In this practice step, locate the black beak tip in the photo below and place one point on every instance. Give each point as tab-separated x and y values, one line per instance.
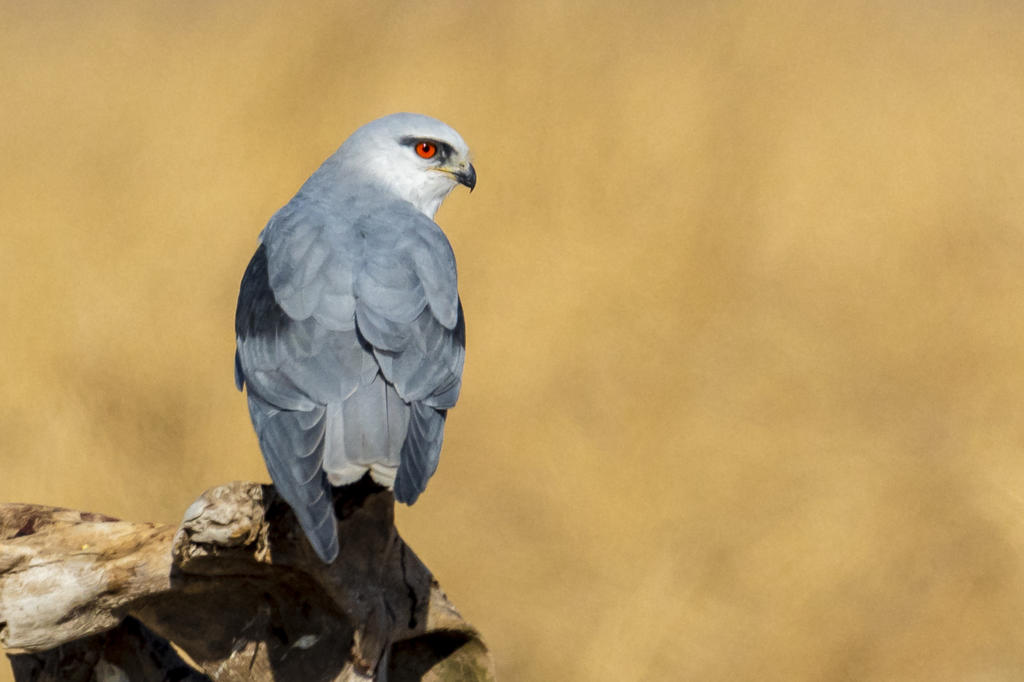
468	177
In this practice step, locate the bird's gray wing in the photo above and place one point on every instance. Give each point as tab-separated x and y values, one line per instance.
293	369
292	442
312	254
408	309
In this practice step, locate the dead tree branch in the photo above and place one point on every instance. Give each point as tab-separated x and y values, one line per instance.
235	593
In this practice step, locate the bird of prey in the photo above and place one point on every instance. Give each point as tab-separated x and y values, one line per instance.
349	328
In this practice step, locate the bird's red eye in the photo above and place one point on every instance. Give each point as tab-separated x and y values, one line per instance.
426	149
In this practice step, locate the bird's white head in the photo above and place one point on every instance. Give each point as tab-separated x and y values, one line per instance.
412	156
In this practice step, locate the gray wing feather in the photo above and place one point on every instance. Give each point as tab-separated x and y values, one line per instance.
407	307
292	445
429	366
286	366
310	268
420	452
293	364
435	265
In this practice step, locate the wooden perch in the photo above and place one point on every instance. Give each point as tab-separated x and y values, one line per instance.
235	593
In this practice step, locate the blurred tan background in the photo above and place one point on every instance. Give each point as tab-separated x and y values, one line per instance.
744	285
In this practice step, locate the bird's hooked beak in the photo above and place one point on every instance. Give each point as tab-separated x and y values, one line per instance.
466	176
462	171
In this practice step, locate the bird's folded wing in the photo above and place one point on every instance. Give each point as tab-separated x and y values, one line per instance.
407	307
293	448
293	364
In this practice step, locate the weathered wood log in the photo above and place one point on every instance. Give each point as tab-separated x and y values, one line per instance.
235	593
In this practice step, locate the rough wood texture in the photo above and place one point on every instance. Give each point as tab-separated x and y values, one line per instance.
236	588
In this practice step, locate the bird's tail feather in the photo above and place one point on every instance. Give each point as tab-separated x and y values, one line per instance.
364	433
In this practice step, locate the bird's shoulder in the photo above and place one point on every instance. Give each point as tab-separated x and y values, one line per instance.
319	251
